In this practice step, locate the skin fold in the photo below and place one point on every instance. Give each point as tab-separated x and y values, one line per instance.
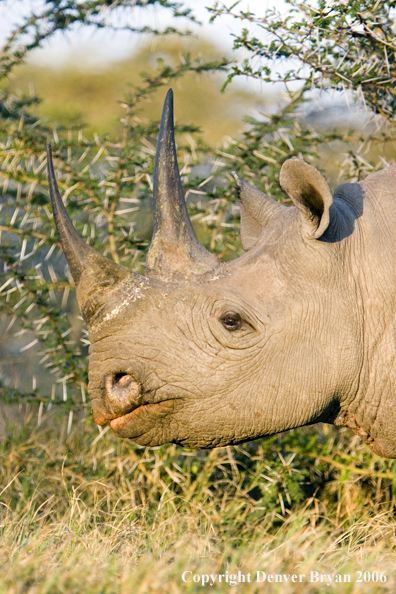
299	329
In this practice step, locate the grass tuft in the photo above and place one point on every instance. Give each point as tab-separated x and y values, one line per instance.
82	514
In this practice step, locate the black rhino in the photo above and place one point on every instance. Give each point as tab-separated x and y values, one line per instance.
299	329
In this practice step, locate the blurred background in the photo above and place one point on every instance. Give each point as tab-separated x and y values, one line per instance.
80	75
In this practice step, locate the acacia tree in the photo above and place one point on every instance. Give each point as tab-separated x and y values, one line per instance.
337	46
346	48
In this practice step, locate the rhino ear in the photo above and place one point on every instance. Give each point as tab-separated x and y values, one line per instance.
257	209
311	194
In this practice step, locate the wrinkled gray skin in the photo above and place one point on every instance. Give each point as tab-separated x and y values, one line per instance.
299	329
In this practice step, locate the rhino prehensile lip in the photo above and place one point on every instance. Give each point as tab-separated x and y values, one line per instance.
144	400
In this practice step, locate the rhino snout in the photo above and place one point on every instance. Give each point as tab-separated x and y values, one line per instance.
122	393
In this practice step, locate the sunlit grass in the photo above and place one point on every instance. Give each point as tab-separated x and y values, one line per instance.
90	513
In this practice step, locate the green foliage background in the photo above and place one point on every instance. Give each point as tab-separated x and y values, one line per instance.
330	52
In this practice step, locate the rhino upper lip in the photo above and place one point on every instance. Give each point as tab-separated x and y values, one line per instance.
141	401
110	416
148	397
133	410
126	421
144	399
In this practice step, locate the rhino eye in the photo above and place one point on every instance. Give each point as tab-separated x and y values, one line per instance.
231	321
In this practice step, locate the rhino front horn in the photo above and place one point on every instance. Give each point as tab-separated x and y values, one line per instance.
95	276
175	252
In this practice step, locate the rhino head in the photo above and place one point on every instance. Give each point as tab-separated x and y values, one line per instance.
299	329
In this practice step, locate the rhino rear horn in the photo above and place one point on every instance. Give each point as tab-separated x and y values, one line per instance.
257	209
95	276
175	252
311	194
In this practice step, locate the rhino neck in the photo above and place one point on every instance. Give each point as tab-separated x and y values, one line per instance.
371	414
360	371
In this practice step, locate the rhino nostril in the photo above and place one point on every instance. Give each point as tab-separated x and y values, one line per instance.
123	393
122	380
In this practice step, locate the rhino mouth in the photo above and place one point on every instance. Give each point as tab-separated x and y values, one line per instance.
128	407
120	423
143	420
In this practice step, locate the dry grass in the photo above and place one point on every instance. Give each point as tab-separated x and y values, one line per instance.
82	514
